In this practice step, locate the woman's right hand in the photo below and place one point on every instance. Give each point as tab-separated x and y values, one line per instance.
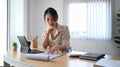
50	30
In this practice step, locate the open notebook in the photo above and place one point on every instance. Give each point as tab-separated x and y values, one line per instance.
43	56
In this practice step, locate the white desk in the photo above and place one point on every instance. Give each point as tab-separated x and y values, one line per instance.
18	59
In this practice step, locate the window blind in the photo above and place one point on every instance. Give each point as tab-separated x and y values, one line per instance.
89	19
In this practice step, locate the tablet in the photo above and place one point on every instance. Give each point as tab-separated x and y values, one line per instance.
25	46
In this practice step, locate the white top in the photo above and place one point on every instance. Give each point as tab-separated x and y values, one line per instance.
61	37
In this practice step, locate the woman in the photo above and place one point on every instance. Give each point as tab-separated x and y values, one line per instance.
56	36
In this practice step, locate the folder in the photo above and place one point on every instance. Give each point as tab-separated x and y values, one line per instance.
92	56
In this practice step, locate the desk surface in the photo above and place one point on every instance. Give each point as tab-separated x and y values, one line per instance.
18	59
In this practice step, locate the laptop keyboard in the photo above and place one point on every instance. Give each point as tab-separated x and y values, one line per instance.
36	51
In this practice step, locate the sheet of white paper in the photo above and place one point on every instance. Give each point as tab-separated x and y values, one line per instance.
43	56
75	53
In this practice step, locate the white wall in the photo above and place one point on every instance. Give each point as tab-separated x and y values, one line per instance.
107	47
36	25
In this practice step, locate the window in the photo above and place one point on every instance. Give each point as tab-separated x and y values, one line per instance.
3	29
89	19
16	20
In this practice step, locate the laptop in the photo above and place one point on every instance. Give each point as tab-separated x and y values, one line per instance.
25	46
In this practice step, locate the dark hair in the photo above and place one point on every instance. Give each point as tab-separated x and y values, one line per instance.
51	11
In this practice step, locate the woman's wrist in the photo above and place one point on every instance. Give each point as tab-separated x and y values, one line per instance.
63	48
47	35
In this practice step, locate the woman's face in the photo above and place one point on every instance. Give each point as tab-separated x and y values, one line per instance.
50	21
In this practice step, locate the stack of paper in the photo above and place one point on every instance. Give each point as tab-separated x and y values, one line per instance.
107	63
43	56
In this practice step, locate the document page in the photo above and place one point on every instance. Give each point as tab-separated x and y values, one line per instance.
43	56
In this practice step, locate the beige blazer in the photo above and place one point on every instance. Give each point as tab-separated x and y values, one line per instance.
61	37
